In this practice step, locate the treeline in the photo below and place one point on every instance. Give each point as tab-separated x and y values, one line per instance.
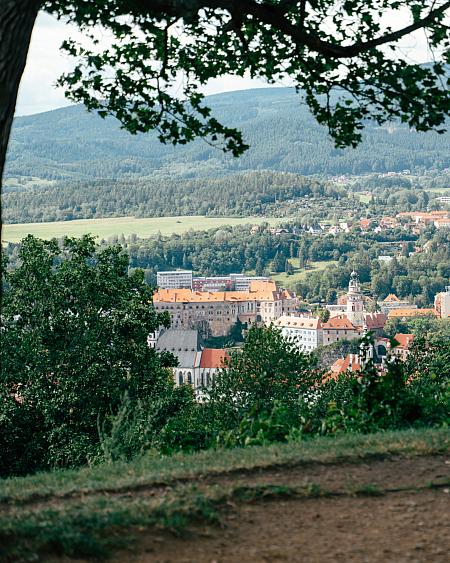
417	277
70	143
250	193
238	249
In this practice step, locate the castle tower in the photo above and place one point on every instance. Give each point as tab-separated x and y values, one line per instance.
355	302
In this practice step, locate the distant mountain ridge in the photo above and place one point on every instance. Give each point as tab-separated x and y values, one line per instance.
70	143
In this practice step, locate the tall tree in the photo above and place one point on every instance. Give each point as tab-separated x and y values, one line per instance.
334	51
74	330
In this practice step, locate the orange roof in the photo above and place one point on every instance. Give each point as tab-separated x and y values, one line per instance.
391	297
214	358
423	214
339	323
364	223
259	291
411	313
404	340
352	362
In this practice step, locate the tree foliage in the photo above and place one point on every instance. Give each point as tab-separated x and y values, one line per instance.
74	329
333	51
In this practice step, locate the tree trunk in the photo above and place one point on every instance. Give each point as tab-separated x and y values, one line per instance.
17	19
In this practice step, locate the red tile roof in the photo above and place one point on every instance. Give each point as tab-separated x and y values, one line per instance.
375	320
404	340
339	323
214	358
352	362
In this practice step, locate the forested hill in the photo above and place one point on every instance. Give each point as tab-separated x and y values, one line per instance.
70	143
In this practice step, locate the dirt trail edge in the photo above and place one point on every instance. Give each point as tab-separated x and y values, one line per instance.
392	510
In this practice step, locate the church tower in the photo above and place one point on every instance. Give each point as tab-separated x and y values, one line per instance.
355	302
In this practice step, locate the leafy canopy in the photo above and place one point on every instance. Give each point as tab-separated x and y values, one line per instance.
343	54
74	329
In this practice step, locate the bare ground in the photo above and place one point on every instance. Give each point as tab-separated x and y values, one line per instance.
389	511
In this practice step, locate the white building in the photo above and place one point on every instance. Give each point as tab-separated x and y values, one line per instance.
442	303
177	279
306	332
197	366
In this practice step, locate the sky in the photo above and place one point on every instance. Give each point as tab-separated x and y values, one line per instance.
46	63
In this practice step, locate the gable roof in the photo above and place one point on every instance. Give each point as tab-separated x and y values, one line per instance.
351	362
339	323
214	358
183	344
391	298
403	339
260	290
375	320
410	313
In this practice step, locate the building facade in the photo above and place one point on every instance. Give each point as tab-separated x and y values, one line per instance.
177	279
215	313
197	366
442	303
304	331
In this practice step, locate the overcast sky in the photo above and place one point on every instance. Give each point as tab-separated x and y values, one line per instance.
46	63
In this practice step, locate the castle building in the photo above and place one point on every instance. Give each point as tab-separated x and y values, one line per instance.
215	313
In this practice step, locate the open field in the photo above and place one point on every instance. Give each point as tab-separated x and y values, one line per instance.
324	499
363	197
298	274
104	228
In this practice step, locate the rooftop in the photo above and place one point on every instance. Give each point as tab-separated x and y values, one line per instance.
214	358
298	322
260	290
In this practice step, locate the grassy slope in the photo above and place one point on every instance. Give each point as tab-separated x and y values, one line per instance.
298	274
88	510
150	470
126	226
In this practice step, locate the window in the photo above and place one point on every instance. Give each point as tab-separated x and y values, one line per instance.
180	378
189	378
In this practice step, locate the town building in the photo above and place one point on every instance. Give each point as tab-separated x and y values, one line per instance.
197	366
355	301
426	218
232	282
404	341
177	279
351	363
339	328
349	318
442	303
304	331
215	313
442	223
410	313
392	302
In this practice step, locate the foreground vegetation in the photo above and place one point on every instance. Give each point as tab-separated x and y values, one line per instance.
80	384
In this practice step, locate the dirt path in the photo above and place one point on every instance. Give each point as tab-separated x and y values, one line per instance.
379	511
396	528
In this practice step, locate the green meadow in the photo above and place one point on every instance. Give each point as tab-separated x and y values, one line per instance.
300	274
104	228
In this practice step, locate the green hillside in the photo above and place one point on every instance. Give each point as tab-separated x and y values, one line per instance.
70	143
